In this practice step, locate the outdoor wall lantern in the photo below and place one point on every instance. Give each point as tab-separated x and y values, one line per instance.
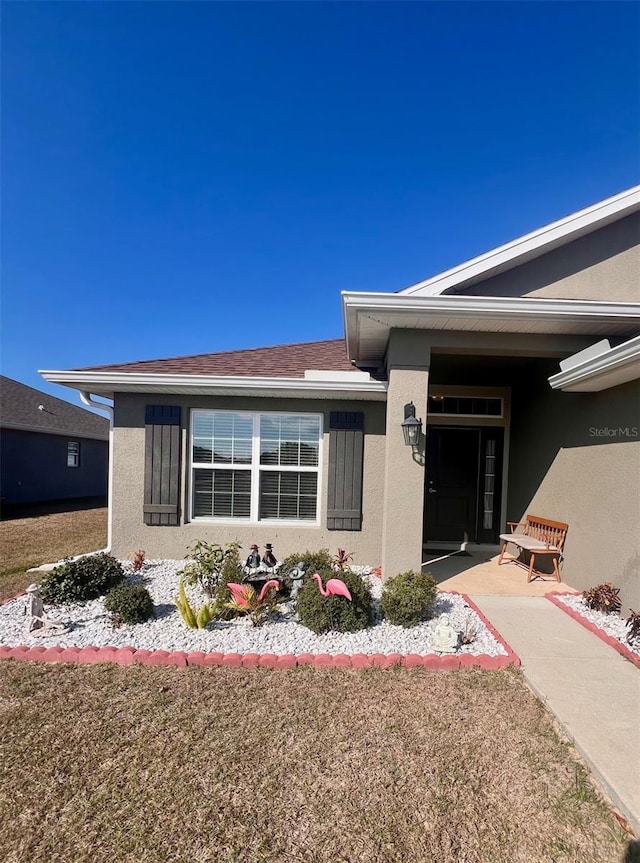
411	427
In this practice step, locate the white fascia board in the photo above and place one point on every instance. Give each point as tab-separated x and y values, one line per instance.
531	245
612	368
97	382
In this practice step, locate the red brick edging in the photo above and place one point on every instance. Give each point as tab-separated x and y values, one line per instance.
602	635
182	659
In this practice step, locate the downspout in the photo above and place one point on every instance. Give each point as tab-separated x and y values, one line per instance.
87	399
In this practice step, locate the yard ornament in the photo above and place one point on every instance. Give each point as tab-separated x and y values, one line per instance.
444	638
241	592
38	623
335	587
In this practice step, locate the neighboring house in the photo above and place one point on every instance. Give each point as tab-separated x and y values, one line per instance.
302	445
49	449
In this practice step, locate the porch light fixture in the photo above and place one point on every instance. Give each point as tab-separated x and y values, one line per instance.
411	427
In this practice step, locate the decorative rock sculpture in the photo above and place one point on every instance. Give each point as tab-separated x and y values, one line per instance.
297	577
38	623
444	638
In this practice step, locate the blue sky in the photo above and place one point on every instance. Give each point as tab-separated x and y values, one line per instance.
190	177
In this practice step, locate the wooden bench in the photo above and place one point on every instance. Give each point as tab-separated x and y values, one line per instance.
537	536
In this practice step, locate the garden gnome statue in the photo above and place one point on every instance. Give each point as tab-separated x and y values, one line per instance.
269	560
38	624
297	577
444	638
253	561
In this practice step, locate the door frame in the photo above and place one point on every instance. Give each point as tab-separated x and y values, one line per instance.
477	422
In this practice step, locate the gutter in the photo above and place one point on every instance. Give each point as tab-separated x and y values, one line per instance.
86	398
594	373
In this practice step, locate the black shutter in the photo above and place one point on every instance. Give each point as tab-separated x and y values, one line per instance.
162	465
346	449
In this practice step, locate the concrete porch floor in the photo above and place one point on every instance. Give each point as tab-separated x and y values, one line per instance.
477	572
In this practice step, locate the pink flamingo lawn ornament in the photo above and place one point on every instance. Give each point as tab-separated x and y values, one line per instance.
335	587
242	592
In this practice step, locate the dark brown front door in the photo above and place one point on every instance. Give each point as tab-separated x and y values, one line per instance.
463	482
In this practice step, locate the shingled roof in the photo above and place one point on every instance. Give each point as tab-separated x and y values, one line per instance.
289	361
26	408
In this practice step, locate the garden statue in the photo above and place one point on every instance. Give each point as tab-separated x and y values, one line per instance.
269	560
444	638
38	623
253	561
297	577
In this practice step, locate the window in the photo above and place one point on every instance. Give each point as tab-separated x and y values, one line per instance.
73	454
255	466
466	406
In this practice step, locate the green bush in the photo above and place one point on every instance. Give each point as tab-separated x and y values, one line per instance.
316	561
82	579
334	613
130	603
407	599
231	571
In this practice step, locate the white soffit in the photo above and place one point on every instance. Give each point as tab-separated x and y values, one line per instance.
369	317
107	383
530	246
616	366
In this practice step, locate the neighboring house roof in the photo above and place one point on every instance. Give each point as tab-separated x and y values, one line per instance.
530	246
289	361
27	409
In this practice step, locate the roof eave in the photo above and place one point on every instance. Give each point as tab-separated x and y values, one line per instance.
530	245
616	366
109	383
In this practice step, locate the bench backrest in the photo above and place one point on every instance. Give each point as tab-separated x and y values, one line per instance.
546	530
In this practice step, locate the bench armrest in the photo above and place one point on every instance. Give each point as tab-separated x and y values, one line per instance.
514	524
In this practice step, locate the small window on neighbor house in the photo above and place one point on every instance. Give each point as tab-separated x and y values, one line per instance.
73	454
454	406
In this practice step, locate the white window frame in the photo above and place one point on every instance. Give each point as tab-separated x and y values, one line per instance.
255	468
73	457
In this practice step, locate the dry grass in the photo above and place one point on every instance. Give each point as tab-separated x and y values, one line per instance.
158	765
46	538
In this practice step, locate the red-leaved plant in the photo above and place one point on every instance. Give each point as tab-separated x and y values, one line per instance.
633	622
137	559
603	597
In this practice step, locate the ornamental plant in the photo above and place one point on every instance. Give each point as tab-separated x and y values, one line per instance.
341	560
129	603
633	623
603	597
231	571
407	598
334	613
206	563
195	618
258	606
137	559
82	579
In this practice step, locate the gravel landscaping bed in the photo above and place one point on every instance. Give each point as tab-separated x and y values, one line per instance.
92	626
608	624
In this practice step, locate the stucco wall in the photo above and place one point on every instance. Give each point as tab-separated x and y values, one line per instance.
130	532
34	467
575	457
604	265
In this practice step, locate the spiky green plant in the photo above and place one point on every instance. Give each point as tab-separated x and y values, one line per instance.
194	618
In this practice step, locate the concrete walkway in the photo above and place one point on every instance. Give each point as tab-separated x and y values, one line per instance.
592	690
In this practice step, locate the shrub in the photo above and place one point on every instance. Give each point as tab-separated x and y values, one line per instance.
407	599
130	603
316	561
206	563
603	597
334	613
82	579
231	571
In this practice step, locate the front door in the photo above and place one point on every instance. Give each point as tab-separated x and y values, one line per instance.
463	484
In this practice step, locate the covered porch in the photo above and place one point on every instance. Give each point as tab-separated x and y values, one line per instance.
476	571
